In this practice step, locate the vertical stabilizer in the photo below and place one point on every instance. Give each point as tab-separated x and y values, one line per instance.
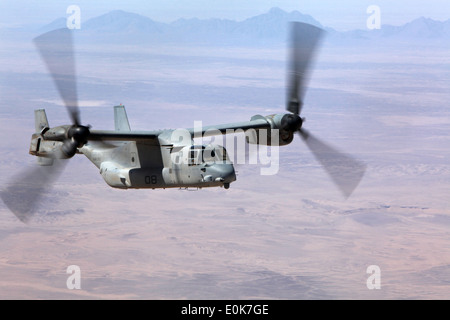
40	120
120	119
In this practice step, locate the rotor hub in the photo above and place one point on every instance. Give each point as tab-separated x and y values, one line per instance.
76	138
291	122
79	134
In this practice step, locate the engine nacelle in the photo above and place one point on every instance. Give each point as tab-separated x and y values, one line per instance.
59	133
60	142
45	148
281	132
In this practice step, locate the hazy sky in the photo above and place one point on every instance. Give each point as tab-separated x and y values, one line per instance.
341	15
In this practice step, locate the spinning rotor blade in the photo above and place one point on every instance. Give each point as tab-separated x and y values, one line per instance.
22	195
345	171
304	40
56	50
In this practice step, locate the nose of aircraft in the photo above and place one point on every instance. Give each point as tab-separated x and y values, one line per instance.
223	172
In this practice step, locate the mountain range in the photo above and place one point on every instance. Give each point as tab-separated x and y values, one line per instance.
421	28
270	27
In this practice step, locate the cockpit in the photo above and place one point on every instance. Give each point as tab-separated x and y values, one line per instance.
209	154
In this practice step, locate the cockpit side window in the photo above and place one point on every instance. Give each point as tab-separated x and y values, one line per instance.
208	154
221	154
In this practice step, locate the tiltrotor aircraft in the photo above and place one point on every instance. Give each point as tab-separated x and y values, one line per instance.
165	158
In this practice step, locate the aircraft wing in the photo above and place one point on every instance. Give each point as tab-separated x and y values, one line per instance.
149	137
257	122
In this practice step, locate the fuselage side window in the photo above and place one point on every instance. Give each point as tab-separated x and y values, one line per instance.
193	157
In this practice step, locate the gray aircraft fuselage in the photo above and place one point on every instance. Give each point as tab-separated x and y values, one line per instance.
155	159
134	165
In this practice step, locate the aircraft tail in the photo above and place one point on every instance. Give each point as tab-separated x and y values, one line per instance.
40	120
40	123
121	119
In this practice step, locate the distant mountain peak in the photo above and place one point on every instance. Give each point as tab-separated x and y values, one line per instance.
424	28
276	10
423	19
119	21
277	15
